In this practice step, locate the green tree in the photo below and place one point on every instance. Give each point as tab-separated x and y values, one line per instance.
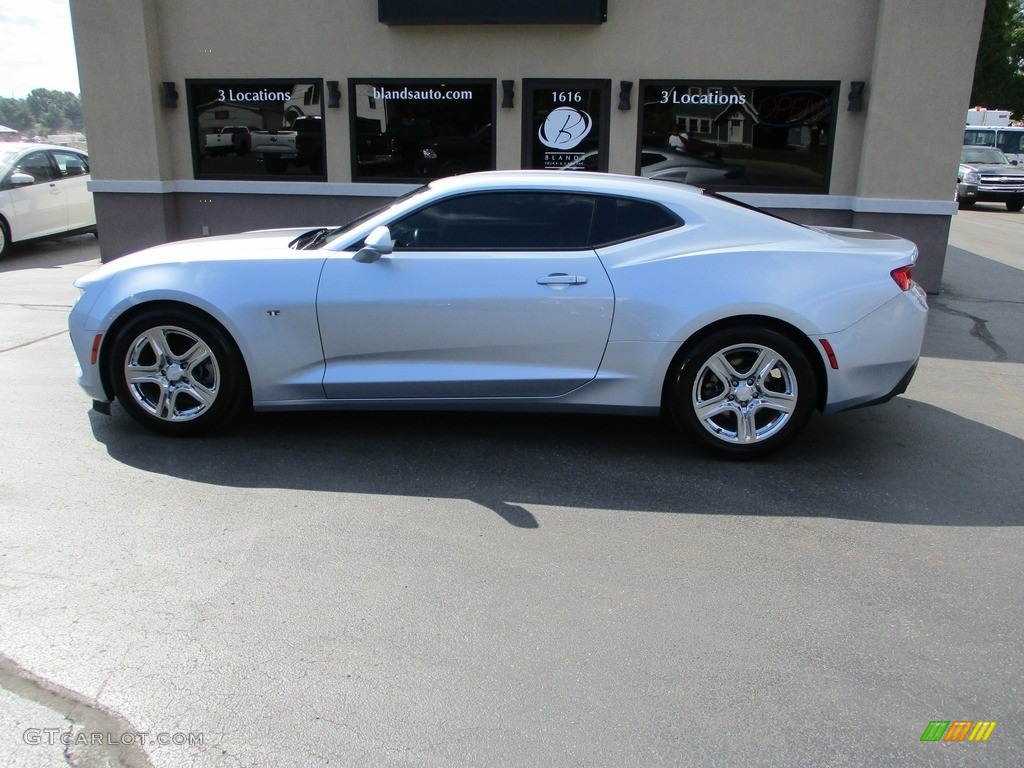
999	67
43	112
14	114
55	111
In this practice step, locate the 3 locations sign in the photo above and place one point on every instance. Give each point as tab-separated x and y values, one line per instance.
254	128
567	124
740	135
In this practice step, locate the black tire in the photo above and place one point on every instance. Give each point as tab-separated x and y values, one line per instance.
1015	204
743	392
5	238
177	373
963	205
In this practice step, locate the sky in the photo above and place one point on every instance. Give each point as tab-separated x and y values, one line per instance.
37	49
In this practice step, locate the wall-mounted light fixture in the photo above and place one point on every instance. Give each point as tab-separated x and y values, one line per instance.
333	95
625	89
508	94
855	101
168	95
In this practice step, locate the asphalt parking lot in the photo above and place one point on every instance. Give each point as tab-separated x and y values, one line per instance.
488	590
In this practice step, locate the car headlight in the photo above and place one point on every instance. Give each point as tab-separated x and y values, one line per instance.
972	177
430	154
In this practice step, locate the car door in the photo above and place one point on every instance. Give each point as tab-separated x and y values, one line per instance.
40	208
486	295
73	183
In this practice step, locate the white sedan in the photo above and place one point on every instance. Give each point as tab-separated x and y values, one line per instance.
514	290
43	193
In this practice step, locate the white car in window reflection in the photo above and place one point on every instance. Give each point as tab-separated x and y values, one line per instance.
43	193
673	165
513	290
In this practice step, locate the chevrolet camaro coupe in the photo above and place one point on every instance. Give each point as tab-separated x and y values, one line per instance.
513	290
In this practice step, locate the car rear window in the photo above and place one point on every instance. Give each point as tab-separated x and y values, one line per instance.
618	219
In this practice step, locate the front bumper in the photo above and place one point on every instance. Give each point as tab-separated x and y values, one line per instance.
83	341
999	193
966	193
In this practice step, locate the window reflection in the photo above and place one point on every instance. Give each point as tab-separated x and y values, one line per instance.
264	128
756	136
421	129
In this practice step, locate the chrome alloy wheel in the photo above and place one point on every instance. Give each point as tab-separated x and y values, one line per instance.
744	394
172	373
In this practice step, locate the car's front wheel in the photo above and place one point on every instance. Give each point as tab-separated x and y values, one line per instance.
1015	204
743	392
177	373
5	238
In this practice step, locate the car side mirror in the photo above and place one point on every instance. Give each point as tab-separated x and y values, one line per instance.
378	243
21	179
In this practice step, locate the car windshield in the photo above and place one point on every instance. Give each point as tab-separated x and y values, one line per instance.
334	234
985	155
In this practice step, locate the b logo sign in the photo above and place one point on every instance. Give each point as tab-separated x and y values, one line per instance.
564	128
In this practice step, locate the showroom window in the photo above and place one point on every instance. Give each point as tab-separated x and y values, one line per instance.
565	124
270	129
406	130
752	136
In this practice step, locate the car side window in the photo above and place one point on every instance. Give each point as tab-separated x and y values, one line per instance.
38	166
71	163
499	221
619	219
1011	141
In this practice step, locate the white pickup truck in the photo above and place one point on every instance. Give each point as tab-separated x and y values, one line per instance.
302	145
230	138
275	148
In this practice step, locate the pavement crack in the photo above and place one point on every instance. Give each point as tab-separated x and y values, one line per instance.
979	329
89	717
30	343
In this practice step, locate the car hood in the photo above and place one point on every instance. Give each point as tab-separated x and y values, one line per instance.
1000	170
258	244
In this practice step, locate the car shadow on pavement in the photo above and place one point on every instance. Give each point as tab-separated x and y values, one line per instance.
50	253
905	462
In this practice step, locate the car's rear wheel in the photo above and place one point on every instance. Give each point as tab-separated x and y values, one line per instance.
177	373
743	392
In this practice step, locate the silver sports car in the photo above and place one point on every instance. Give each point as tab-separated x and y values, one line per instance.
513	290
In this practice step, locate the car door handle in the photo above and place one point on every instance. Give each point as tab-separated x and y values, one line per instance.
560	278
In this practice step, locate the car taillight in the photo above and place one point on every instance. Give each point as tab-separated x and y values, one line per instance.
903	277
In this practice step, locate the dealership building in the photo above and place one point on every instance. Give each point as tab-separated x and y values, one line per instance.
206	117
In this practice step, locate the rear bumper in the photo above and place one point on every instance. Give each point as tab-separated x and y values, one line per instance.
878	355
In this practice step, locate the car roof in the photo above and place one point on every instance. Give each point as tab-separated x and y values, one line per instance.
23	145
582	181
